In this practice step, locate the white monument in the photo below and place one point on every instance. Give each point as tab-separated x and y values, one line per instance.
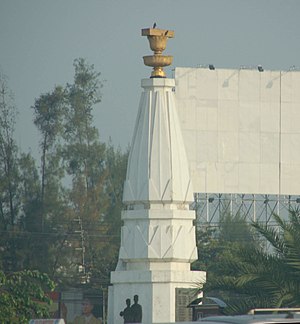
158	237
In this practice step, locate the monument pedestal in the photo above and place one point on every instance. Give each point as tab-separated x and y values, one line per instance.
156	290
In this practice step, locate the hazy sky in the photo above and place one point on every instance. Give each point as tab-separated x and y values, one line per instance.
39	40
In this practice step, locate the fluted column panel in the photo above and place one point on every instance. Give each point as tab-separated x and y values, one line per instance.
155	235
157	168
158	227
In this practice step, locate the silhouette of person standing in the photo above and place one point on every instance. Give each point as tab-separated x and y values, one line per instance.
136	311
126	313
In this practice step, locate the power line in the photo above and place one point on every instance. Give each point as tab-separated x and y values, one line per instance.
57	234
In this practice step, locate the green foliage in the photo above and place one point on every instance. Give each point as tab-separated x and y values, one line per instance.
106	256
10	200
216	244
48	113
22	296
83	94
235	229
62	215
254	276
84	158
208	247
49	110
9	177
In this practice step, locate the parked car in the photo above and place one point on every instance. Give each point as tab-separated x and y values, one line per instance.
258	315
255	316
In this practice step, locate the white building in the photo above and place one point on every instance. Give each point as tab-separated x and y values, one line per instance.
242	137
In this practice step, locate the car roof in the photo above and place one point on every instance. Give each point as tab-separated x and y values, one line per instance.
257	318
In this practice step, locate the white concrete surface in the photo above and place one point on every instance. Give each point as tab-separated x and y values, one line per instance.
241	129
158	237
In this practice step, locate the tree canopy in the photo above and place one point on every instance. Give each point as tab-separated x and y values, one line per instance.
261	275
23	297
60	215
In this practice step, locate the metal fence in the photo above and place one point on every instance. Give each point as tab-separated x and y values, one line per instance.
210	207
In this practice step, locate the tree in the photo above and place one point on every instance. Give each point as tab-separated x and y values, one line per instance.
98	172
48	115
208	247
83	152
105	259
9	180
259	277
30	193
216	244
23	297
63	220
9	202
47	217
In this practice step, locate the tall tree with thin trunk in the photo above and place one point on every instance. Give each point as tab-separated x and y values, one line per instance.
48	114
84	157
9	180
9	200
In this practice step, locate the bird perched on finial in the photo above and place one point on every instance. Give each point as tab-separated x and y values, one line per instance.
154	25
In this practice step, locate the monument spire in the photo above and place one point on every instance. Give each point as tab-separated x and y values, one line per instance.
158	236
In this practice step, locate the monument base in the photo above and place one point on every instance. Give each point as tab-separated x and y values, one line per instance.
156	290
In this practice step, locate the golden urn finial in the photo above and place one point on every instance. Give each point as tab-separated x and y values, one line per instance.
158	42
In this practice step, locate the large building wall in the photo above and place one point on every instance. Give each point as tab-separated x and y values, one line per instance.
241	129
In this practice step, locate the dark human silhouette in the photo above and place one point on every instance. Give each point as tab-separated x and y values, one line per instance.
126	313
136	311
